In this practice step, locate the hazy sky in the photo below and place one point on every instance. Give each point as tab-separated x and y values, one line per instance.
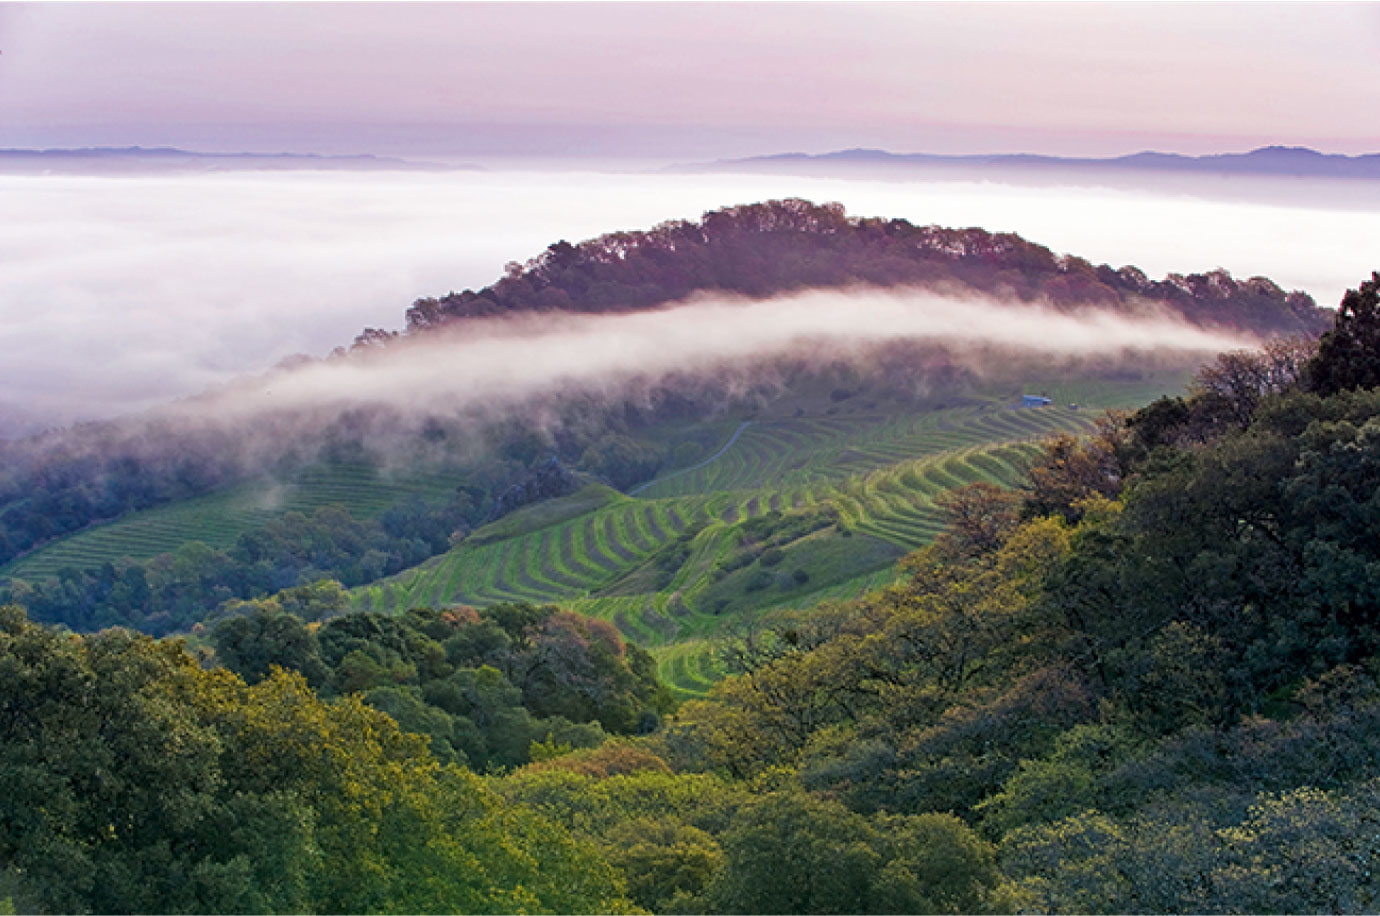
666	80
116	293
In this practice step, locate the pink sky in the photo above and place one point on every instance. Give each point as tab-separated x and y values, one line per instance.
690	80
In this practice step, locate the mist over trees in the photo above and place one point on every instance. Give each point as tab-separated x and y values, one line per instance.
758	250
61	482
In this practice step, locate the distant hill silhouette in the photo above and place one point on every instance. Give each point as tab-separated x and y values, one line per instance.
134	159
1295	161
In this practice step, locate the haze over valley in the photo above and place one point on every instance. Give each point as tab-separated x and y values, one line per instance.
689	458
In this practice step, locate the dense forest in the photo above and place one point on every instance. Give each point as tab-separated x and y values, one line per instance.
1146	681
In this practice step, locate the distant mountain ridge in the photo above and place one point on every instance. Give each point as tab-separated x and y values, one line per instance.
106	159
1297	161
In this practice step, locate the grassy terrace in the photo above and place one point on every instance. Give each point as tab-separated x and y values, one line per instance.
661	564
219	518
843	491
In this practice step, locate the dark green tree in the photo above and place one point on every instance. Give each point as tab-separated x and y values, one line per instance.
252	643
791	852
1349	354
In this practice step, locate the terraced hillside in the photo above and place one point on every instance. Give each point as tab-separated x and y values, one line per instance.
781	512
219	518
809	497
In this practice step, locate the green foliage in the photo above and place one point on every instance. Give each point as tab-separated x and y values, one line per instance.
482	687
1070	472
1302	851
263	635
622	461
1305	851
1347	355
669	865
789	852
1093	864
1249	558
660	829
139	782
1062	784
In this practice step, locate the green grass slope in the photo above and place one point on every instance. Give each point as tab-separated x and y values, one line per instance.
219	518
810	497
773	512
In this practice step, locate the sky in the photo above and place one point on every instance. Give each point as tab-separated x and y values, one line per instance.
117	293
672	81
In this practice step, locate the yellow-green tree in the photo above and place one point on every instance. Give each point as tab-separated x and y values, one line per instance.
139	782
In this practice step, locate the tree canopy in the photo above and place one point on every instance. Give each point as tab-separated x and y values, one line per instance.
136	781
780	246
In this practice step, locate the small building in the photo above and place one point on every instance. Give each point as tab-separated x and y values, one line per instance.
1035	400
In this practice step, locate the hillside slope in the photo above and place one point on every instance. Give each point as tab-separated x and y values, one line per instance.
791	506
156	521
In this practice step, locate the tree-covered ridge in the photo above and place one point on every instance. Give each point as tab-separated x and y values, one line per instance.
60	484
781	246
1145	682
63	481
1150	680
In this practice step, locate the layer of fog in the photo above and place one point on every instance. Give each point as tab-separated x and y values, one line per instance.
494	366
117	294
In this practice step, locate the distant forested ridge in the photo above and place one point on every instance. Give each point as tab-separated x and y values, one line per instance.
1291	161
782	246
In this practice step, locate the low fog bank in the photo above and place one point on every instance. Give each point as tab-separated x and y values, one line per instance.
492	399
497	365
1359	192
119	294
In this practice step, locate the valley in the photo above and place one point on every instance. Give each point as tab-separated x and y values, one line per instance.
811	497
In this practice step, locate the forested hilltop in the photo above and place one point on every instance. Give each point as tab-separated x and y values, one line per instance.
1143	681
781	246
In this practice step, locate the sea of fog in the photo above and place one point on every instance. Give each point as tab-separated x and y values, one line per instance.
117	293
